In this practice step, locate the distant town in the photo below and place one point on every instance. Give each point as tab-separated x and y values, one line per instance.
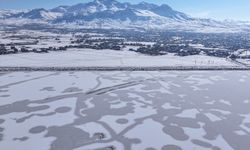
231	45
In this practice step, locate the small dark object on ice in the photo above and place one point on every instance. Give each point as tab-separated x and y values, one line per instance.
107	148
99	135
110	148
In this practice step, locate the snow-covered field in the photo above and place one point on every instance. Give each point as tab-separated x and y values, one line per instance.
245	61
124	110
107	58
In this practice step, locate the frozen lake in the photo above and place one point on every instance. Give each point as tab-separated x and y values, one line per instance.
168	110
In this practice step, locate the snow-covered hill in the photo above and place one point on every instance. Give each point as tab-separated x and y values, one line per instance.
42	14
7	13
113	14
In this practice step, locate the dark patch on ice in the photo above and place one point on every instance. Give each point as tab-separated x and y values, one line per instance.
107	148
122	121
20	120
3	91
4	95
2	121
176	132
21	106
1	137
72	89
216	148
201	143
110	148
22	139
37	129
67	137
50	89
171	147
63	109
247	125
150	148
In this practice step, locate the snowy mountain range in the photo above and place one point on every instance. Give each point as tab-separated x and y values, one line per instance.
113	14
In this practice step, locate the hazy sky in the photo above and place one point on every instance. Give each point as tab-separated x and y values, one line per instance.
217	9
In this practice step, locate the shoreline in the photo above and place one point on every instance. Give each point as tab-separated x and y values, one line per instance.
97	68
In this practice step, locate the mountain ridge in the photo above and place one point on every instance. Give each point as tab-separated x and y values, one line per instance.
114	14
106	7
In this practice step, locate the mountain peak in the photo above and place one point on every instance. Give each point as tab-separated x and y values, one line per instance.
146	5
165	6
105	2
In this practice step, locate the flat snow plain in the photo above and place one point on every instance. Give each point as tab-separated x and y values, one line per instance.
168	110
107	58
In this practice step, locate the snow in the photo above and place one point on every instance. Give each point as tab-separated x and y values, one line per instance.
190	113
50	15
245	61
159	23
244	53
146	13
22	21
127	114
108	58
155	22
8	12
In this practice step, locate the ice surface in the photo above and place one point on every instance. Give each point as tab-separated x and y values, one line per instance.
124	110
